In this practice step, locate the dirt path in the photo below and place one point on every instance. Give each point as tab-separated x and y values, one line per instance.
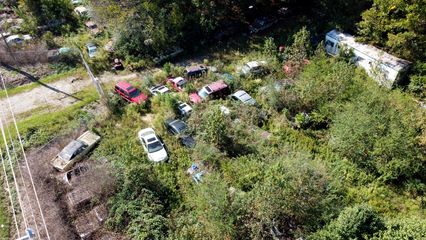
57	95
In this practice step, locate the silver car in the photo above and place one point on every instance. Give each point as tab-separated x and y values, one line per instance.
74	151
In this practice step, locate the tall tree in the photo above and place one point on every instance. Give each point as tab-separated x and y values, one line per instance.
398	26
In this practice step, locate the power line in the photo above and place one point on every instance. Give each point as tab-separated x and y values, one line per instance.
10	193
22	180
25	158
12	169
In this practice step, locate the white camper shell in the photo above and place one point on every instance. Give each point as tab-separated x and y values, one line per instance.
383	67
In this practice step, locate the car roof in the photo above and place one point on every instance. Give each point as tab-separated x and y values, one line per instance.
253	64
90	23
125	85
177	79
12	37
80	9
218	85
177	123
243	96
195	68
69	150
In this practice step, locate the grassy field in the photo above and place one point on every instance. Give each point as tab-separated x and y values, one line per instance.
78	72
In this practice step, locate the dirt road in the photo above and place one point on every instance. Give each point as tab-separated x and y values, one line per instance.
55	95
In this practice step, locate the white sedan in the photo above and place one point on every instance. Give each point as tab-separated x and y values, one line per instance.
152	145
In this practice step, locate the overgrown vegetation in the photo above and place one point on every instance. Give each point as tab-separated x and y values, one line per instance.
325	154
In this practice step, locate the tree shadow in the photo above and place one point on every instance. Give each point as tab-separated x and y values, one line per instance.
37	80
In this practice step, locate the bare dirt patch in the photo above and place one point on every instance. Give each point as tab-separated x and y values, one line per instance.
52	191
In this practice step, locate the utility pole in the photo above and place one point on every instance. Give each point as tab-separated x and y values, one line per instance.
95	80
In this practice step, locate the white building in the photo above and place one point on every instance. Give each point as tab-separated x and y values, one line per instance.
386	69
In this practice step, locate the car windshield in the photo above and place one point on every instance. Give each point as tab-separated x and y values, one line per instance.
181	83
135	93
203	93
155	147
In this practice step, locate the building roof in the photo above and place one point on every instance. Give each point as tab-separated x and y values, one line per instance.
389	60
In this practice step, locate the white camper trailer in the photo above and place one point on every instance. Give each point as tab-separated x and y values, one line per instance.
386	69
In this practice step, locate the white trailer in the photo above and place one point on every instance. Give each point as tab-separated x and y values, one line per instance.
383	67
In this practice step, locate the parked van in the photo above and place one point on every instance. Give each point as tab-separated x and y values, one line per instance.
215	90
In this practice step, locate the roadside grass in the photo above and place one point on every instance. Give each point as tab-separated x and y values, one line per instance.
77	72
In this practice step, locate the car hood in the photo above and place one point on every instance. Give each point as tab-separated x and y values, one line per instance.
139	99
193	97
158	156
186	109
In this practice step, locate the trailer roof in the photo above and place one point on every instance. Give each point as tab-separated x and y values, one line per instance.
369	50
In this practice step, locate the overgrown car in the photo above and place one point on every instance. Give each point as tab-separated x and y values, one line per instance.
243	97
18	39
72	175
93	27
184	109
81	11
152	145
129	93
215	90
178	83
159	90
75	151
262	23
179	128
253	68
91	49
195	71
